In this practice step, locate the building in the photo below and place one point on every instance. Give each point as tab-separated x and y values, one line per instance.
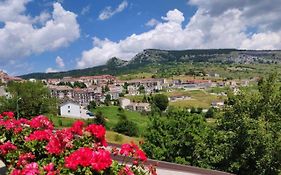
132	90
3	92
140	107
83	96
178	98
217	104
74	110
123	102
5	78
61	92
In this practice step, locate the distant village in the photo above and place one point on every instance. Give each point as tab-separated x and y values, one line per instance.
76	93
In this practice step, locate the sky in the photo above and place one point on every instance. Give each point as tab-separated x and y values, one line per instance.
60	35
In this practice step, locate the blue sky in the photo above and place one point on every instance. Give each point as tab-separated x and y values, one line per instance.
49	36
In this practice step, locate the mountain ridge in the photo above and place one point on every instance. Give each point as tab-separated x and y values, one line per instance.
148	57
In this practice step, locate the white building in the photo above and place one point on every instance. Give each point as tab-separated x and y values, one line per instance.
127	104
73	110
124	102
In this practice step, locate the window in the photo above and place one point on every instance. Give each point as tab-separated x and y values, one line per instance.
68	107
68	111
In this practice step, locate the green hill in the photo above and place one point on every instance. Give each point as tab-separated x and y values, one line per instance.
151	59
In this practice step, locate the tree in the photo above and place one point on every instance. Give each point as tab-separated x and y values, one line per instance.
247	137
92	105
141	89
29	99
107	99
124	126
99	118
161	101
79	84
210	113
178	136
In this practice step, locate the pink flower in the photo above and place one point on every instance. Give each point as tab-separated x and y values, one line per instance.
41	122
7	147
133	150
59	141
77	127
126	171
31	169
140	155
54	146
49	167
8	114
98	160
39	135
16	172
24	159
98	131
101	160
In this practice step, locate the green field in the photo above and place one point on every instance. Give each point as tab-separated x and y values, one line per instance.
111	115
111	136
199	98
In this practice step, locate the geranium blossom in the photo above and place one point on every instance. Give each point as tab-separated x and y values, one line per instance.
41	122
40	135
6	147
68	150
8	114
30	169
77	127
98	160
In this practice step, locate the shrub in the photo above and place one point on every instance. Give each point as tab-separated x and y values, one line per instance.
124	126
34	147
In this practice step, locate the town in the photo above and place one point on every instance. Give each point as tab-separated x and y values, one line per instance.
76	93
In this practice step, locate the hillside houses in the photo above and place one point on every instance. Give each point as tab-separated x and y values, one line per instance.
5	78
98	87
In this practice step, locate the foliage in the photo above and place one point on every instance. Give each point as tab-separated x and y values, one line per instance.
29	99
34	147
248	134
210	113
92	105
107	99
111	113
99	119
124	126
141	89
161	101
179	136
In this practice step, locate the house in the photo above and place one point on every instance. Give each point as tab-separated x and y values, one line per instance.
53	81
74	110
140	107
132	90
178	98
83	96
5	78
61	92
217	104
3	92
124	102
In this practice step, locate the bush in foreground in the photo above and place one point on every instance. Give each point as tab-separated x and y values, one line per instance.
33	147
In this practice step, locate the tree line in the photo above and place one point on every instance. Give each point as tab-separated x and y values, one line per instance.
245	139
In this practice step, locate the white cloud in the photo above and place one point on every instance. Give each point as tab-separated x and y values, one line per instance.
60	62
108	12
51	70
216	24
152	22
85	10
168	34
21	34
